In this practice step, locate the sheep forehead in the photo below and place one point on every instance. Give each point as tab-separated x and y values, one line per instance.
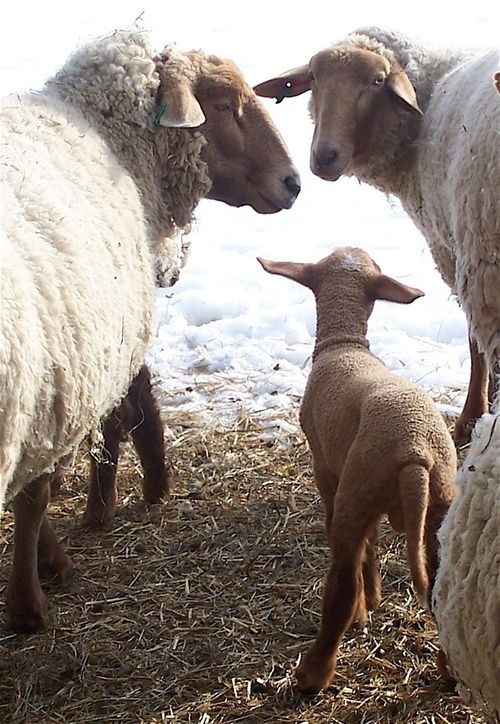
353	258
348	57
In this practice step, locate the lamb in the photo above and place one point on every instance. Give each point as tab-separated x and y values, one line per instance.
378	444
422	125
466	595
99	172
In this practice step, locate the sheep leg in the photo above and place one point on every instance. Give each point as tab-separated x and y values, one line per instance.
371	573
340	599
101	498
148	438
327	484
25	599
476	402
53	563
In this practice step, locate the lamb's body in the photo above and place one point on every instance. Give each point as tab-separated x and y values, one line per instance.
339	420
379	446
77	285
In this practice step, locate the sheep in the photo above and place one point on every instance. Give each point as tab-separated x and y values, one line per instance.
466	595
421	125
378	445
99	172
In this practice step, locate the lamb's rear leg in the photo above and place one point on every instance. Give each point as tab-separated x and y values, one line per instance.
371	573
25	599
148	437
340	598
435	515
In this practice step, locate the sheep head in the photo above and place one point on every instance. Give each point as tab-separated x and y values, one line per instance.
356	95
345	275
248	162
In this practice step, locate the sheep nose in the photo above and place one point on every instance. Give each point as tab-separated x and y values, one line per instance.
292	183
324	156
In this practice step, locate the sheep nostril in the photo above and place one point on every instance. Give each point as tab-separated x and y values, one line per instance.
325	156
292	184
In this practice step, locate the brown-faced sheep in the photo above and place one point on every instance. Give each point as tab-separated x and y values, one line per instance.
96	177
422	125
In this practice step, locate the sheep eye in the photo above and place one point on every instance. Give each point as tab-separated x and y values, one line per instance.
379	79
310	75
226	107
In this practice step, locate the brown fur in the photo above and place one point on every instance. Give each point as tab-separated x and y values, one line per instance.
379	446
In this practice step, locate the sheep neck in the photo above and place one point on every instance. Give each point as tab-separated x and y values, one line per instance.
340	323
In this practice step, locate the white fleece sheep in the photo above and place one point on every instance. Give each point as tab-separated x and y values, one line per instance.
444	167
466	595
87	208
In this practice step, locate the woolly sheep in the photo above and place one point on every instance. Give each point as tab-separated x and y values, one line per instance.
93	188
378	444
466	595
368	95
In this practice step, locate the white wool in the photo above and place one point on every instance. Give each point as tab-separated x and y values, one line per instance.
83	236
77	286
466	595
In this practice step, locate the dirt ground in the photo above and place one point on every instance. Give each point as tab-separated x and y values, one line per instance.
197	610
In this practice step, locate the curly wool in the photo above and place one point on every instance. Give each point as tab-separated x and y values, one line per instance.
93	196
466	595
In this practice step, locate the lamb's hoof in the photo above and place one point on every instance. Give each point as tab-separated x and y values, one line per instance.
26	620
444	670
57	568
314	673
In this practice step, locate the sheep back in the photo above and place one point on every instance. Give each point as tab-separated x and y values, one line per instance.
77	285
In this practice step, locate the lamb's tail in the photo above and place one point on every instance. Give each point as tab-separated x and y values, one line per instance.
414	496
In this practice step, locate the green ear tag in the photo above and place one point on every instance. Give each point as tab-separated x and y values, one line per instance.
159	114
284	92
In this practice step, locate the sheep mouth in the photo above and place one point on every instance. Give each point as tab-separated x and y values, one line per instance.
266	206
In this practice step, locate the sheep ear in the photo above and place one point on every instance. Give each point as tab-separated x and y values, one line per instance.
301	273
384	287
292	83
177	106
399	83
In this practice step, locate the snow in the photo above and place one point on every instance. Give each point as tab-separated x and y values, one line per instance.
231	340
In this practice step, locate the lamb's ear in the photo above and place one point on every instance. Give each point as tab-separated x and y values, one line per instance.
301	273
384	287
399	83
177	106
292	83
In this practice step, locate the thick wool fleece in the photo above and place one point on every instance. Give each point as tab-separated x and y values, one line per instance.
91	193
445	169
466	596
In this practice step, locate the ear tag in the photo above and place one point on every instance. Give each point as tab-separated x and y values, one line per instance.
284	92
159	114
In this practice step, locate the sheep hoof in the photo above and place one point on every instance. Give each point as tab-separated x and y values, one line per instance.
23	619
315	673
156	490
101	518
57	569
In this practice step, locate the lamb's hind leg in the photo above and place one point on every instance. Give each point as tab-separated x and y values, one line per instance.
148	436
25	599
371	573
340	598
